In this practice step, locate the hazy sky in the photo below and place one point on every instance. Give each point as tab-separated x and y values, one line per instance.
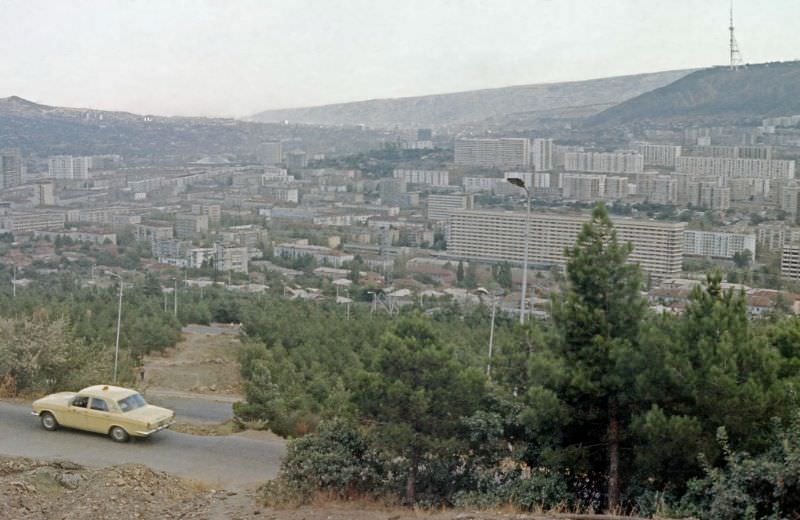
236	57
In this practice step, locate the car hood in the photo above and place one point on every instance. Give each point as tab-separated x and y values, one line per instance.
61	398
150	414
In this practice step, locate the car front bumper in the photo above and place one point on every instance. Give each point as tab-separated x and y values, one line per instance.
154	430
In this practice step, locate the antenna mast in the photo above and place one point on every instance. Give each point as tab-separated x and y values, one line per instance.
735	55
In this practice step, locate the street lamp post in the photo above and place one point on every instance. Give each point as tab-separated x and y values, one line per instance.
481	290
119	322
520	183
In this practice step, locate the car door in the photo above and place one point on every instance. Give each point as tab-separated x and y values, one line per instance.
98	416
75	414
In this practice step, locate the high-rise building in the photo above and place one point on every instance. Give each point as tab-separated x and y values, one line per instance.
542	154
583	187
729	167
616	187
436	178
272	153
497	236
441	206
730	152
391	191
190	225
68	167
716	244
664	190
708	192
604	162
45	194
507	152
296	159
790	261
659	154
10	168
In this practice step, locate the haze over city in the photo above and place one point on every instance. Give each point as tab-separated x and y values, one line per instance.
237	58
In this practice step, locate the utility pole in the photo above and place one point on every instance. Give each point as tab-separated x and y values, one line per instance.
175	290
14	283
119	323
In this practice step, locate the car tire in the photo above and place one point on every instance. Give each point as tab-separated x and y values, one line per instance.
49	422
117	434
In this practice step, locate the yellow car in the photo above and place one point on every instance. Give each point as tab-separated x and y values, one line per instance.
118	412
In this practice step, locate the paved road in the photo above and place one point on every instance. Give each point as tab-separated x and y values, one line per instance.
202	409
223	462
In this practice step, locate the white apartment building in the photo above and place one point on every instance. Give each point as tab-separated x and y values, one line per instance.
729	167
479	184
616	188
790	261
435	178
323	255
717	244
68	167
708	192
11	168
230	258
441	206
658	154
497	236
731	152
272	153
542	154
583	187
493	153
39	220
664	190
604	162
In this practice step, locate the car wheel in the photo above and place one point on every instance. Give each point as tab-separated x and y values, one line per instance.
49	422
118	434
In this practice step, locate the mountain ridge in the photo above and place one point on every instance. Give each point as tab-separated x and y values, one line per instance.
716	94
475	105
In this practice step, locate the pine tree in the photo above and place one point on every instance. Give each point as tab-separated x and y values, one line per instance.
598	318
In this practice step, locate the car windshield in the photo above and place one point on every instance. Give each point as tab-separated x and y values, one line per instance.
132	402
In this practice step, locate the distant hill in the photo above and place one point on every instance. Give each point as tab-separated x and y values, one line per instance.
479	105
50	130
714	95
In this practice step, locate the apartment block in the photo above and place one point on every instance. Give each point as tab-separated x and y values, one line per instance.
730	152
790	261
11	167
664	190
582	187
497	236
604	162
33	221
708	192
190	226
729	167
508	152
323	255
658	154
213	211
542	154
616	187
231	258
68	167
441	206
434	178
271	153
717	244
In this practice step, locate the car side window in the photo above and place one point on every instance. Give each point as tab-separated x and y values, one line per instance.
80	401
99	405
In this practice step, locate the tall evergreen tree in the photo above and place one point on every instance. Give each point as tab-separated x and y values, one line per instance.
598	319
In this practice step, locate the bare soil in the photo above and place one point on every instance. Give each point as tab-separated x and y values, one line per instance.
202	364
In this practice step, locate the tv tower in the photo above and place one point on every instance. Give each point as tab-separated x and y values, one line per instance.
736	56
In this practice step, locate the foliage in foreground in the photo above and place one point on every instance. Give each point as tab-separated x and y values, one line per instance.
604	400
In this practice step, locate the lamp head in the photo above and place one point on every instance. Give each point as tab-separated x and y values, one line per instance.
516	181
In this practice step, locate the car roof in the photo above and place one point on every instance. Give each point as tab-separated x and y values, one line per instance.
111	392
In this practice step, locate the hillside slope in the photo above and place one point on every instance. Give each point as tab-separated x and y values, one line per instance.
50	130
476	105
716	94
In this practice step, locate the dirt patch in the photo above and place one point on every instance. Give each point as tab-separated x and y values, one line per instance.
203	363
